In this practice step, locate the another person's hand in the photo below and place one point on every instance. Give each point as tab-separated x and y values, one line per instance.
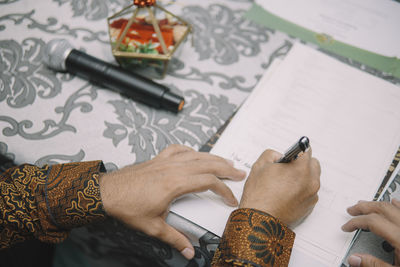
140	195
381	218
287	191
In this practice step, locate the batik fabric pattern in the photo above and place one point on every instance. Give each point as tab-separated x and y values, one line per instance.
47	202
254	238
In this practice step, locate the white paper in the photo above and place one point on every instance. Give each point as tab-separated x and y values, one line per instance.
368	24
352	120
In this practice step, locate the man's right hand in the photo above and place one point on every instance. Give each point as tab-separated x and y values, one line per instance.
287	191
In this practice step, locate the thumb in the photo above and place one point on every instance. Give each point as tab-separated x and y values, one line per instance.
360	260
175	239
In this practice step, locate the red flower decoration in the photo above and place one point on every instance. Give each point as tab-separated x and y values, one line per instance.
143	3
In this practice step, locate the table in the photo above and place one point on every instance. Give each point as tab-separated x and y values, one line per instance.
48	117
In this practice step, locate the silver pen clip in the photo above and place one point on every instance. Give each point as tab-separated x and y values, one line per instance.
294	151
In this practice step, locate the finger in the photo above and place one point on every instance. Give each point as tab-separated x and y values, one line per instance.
202	183
396	202
167	153
305	158
313	201
365	260
316	167
377	224
173	237
388	210
269	156
315	175
220	168
309	151
173	150
194	155
308	168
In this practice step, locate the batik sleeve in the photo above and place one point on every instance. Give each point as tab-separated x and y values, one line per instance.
254	238
47	202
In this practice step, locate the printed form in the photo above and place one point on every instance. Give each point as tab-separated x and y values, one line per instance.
368	24
352	120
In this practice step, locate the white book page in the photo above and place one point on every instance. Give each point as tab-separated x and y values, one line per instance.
352	120
368	24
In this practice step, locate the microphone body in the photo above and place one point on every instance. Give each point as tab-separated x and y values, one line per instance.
105	74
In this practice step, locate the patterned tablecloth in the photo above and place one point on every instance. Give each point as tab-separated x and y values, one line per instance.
48	117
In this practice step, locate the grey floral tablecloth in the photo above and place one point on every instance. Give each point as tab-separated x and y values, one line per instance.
48	117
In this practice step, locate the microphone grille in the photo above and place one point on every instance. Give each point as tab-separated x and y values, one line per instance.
55	53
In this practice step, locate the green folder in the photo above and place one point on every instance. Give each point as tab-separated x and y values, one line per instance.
388	65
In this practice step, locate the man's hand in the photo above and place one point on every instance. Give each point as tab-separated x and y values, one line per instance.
381	218
287	191
140	195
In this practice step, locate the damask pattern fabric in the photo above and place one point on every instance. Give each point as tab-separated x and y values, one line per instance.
254	238
48	202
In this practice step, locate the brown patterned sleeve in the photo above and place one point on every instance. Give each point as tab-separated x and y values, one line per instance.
47	202
254	238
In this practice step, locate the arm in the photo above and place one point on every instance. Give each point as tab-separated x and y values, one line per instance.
276	196
52	200
47	202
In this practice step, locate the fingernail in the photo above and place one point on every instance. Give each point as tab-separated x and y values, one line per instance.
354	261
344	228
232	203
188	253
244	173
395	200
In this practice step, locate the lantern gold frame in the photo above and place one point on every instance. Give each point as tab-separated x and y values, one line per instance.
167	53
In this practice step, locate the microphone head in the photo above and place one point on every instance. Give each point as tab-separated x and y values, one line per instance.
56	52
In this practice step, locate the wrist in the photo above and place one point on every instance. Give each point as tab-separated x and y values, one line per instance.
263	209
77	205
105	195
264	205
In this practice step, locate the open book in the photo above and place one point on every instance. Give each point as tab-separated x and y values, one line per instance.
353	122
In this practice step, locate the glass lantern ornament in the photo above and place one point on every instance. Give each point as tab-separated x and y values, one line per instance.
144	36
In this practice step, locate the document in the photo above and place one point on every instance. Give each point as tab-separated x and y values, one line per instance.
352	120
368	24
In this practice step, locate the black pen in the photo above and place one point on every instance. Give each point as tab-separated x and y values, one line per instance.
293	152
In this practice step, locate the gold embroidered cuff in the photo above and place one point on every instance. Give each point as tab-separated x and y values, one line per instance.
254	238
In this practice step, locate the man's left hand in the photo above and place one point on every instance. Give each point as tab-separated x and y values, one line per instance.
140	195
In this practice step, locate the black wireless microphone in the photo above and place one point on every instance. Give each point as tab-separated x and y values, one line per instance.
60	55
